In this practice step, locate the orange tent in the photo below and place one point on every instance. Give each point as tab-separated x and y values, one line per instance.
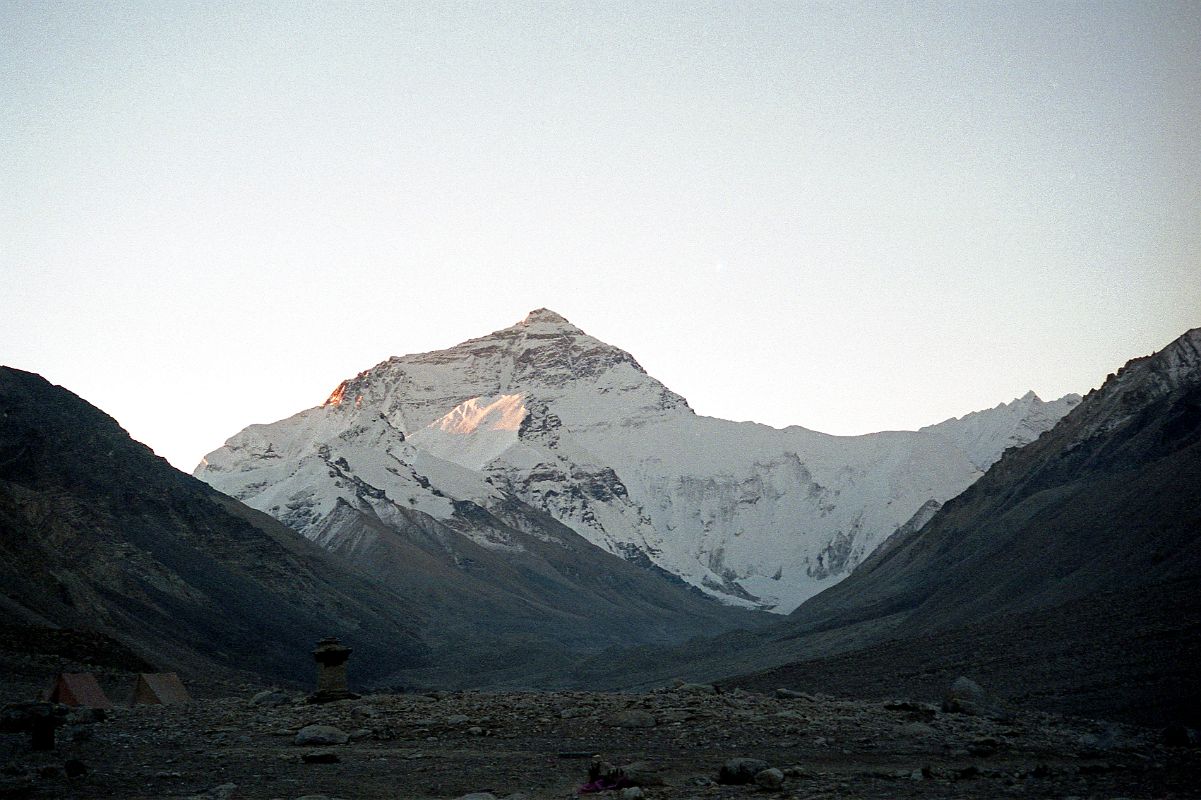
159	687
77	689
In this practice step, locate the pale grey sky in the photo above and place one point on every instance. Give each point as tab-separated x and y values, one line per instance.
840	215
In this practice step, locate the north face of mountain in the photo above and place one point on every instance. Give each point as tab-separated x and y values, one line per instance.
1066	576
542	413
98	533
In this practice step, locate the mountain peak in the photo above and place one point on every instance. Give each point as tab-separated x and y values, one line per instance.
546	317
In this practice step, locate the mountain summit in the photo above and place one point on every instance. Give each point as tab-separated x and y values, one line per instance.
542	413
545	316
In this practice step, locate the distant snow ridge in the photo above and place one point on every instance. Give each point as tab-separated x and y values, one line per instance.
543	413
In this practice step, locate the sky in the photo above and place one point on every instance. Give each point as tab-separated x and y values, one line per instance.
848	216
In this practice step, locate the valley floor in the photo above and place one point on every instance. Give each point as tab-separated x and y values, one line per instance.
540	745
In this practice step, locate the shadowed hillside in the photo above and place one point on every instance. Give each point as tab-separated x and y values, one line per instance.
96	532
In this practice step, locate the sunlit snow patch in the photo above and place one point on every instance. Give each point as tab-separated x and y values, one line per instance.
475	431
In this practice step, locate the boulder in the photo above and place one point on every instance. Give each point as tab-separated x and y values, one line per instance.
321	735
270	697
633	718
770	778
964	689
966	697
738	771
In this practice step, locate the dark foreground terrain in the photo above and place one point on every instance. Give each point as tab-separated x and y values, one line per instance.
540	745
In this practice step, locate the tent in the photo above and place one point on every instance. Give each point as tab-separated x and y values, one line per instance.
159	687
77	689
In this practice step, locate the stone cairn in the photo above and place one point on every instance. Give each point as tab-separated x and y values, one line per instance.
331	656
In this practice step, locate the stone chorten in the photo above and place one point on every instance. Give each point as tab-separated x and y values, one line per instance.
331	656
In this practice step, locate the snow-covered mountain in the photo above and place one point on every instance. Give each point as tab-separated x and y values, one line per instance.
546	414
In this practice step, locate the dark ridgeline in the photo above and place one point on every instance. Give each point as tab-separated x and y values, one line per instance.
1068	576
142	564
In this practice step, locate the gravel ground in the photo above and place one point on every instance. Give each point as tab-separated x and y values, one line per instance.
541	745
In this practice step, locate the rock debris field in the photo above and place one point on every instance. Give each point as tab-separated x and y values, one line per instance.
690	741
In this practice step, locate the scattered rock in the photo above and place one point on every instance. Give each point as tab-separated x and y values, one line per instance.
917	730
838	748
224	791
633	718
770	778
271	697
478	796
641	773
921	712
317	735
738	771
984	746
78	733
1108	739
